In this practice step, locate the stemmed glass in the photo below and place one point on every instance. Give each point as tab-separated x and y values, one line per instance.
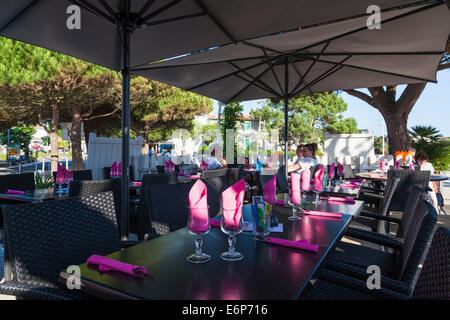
59	185
317	190
232	231
294	216
67	181
198	256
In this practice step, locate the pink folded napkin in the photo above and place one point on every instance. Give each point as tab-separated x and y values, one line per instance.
204	165
166	166
15	192
342	200
171	166
106	264
59	174
181	174
137	183
270	190
331	172
323	213
294	192
232	200
411	166
114	169
119	170
397	164
340	169
382	165
356	180
195	176
280	202
306	180
301	244
198	208
318	177
350	186
67	175
215	223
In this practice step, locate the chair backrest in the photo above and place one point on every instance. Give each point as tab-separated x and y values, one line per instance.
23	182
165	178
107	173
233	175
262	180
389	191
415	241
434	278
415	194
216	183
44	238
407	179
282	182
87	188
167	206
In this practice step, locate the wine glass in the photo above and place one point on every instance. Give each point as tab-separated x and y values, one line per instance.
198	256
232	231
317	190
294	205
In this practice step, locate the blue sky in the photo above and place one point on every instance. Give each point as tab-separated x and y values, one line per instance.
432	108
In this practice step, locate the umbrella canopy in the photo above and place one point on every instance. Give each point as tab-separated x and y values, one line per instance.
120	34
342	55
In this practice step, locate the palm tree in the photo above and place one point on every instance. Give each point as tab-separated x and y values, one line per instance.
421	134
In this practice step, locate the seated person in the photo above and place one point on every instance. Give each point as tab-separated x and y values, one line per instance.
306	158
422	161
213	163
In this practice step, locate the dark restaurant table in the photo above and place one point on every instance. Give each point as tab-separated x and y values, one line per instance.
267	271
338	191
38	195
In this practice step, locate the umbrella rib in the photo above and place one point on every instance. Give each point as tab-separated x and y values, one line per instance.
108	8
159	11
145	7
215	20
19	14
225	76
94	10
250	83
324	75
257	78
310	67
371	53
273	70
378	71
169	20
298	73
365	27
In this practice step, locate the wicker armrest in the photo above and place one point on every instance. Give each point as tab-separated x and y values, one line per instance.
368	214
374	237
360	285
361	274
36	291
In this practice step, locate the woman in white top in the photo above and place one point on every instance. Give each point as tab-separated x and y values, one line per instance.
422	160
306	158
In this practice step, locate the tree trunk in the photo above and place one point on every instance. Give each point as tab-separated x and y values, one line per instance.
54	137
397	132
75	138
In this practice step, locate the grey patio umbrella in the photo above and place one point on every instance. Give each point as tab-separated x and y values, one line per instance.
121	34
341	55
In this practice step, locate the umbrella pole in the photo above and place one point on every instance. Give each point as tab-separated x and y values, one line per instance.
125	185
286	118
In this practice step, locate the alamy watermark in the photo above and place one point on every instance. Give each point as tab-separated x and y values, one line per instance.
374	280
73	281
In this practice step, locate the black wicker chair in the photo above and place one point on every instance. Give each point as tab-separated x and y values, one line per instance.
87	188
407	179
45	238
433	282
22	182
366	221
398	268
233	175
79	175
166	206
216	183
143	224
415	194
